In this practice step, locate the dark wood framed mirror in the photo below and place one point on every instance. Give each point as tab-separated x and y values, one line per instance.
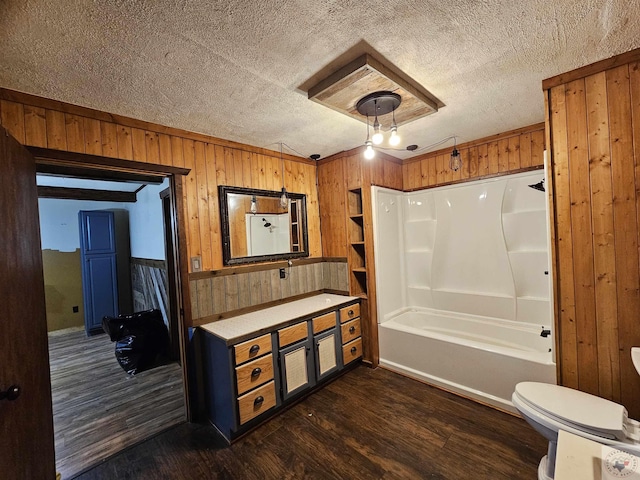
258	226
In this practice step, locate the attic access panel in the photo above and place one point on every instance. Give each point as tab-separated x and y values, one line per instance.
342	89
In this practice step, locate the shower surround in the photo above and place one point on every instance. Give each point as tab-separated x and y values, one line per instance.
463	285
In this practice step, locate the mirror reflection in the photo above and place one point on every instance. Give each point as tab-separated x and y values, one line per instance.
259	225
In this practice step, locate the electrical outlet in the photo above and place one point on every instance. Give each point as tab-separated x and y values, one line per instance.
282	274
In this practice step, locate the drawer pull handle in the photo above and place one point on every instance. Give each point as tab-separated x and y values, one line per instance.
352	329
254	349
258	401
350	313
354	349
256	371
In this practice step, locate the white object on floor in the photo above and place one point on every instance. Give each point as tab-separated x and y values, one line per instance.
580	458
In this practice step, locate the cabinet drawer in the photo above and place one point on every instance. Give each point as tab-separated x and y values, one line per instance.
292	334
352	351
253	348
350	312
256	402
350	330
254	373
324	322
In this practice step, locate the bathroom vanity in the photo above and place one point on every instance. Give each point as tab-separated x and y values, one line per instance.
257	363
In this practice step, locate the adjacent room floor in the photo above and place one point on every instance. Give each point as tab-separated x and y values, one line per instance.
98	409
367	424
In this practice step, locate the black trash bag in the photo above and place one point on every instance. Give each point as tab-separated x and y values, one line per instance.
141	339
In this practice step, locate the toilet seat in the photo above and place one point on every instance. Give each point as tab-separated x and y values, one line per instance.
576	409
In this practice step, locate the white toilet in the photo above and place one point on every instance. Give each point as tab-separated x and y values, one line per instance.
550	408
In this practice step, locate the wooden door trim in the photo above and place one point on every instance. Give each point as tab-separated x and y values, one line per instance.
48	161
106	165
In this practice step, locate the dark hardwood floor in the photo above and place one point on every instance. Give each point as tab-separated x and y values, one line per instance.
367	424
97	408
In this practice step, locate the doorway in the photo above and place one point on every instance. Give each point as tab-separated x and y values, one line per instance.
102	409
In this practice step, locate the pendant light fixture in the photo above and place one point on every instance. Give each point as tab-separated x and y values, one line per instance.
369	153
378	104
455	162
394	139
254	205
284	200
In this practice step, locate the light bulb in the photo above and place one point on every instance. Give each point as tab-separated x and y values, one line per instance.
455	162
394	140
284	201
369	152
377	134
254	206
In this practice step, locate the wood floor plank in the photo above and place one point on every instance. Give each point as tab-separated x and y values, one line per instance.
367	424
98	409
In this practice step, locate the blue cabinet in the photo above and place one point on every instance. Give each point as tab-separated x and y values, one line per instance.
104	253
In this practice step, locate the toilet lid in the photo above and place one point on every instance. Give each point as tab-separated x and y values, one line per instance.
579	408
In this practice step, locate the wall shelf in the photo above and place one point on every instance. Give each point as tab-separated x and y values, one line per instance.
357	252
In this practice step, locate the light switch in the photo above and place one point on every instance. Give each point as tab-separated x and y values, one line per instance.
196	264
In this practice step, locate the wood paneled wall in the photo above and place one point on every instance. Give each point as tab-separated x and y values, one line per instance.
593	117
213	297
40	122
504	153
339	173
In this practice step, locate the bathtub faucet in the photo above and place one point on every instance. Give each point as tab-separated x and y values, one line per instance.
545	333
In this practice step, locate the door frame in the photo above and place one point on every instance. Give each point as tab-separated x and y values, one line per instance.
58	162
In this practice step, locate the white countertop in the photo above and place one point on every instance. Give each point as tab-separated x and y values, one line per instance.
247	324
583	459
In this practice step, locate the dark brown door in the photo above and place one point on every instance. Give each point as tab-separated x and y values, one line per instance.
26	420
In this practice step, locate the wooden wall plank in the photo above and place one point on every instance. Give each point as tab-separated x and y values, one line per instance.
214	207
514	153
473	162
56	134
221	174
177	152
125	142
568	348
603	242
109	139
229	171
246	170
203	206
75	133
503	155
581	235
12	119
164	146
483	160
525	150
153	149
35	124
625	228
191	187
333	214
139	145
492	158
92	136
537	148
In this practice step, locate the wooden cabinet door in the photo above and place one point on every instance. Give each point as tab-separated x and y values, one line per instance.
26	422
296	367
326	347
99	270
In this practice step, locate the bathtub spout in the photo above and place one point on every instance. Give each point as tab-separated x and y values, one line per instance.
545	333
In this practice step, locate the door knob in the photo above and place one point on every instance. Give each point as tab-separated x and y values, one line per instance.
10	393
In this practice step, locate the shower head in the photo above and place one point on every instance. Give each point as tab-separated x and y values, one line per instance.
266	224
538	186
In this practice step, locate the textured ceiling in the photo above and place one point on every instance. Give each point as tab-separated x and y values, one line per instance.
239	70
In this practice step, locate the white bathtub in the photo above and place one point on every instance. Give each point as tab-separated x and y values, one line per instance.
478	357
